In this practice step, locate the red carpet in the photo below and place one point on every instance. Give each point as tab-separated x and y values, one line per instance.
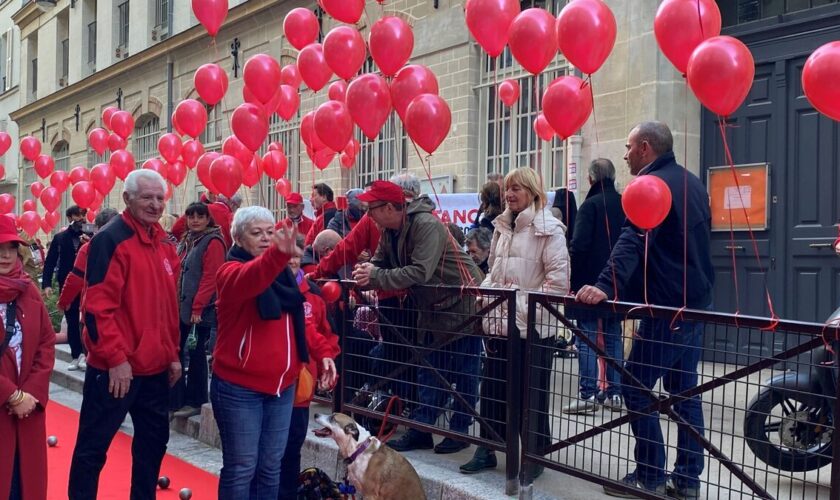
115	480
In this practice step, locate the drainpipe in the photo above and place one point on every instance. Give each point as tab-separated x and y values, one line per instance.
170	66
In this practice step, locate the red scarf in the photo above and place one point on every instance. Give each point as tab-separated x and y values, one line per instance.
14	283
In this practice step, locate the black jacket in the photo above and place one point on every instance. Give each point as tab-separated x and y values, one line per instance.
62	254
665	280
563	198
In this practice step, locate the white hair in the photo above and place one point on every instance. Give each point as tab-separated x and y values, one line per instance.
244	217
408	182
132	187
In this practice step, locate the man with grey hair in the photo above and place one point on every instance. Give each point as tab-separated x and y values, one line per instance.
409	183
346	219
679	273
132	340
478	246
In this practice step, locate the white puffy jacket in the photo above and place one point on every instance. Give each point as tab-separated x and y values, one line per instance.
533	256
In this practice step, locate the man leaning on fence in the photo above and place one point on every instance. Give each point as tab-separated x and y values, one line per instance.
679	272
416	249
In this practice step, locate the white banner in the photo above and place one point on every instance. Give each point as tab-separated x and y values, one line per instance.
462	208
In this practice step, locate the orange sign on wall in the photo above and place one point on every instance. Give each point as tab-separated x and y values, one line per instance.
745	202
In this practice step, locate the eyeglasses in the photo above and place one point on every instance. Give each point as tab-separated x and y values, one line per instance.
374	207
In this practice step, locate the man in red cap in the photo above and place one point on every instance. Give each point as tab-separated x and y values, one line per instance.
294	208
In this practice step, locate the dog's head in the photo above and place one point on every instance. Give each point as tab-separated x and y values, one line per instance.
342	428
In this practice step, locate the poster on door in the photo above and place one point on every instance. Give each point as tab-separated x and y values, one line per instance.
739	196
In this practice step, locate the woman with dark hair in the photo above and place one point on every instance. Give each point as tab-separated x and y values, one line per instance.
27	355
202	252
491	205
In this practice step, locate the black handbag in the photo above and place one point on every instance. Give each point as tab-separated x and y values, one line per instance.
11	316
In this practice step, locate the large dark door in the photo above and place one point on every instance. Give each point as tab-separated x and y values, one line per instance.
777	125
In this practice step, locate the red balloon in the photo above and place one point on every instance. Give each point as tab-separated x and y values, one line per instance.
313	67
153	164
50	198
427	121
30	148
330	291
344	50
176	172
821	79
202	170
250	125
533	40
567	104
211	83
102	177
542	128
646	201
30	222
116	142
353	147
29	205
36	188
44	166
275	164
679	31
79	174
307	132
322	158
289	102
7	203
97	201
290	75
169	146
234	147
333	124
283	187
98	140
211	14
489	22
52	218
301	27
509	92
346	160
191	151
391	43
122	162
276	146
262	76
5	142
91	215
107	114
2	171
174	120
84	194
720	73
586	33
408	83
251	174
226	174
122	123
60	180
346	11
191	117
369	104
337	91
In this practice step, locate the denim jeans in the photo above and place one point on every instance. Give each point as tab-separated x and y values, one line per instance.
658	352
254	429
588	360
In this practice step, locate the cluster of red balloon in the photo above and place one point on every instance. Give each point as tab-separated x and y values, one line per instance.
821	79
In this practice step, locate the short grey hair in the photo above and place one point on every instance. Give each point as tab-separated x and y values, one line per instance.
408	182
601	169
481	236
244	217
236	199
657	135
326	238
353	198
104	216
132	187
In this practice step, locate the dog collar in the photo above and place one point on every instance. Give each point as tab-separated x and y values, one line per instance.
361	449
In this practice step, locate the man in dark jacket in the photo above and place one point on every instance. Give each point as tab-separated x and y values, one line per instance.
61	256
597	227
325	209
346	219
663	348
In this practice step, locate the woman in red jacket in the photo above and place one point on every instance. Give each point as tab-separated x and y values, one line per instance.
262	342
27	354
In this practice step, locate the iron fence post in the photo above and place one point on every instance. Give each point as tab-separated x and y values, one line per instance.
834	493
514	399
526	491
338	392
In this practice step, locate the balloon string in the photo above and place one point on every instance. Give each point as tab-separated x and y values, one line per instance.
497	106
594	114
534	105
774	319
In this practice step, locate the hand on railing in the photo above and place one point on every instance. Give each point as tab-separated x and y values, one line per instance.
362	272
591	295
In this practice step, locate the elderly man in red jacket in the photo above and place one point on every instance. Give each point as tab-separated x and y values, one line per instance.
132	339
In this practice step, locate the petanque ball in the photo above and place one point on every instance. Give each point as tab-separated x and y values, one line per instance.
185	494
52	441
163	482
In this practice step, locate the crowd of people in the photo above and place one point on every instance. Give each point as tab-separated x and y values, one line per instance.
240	287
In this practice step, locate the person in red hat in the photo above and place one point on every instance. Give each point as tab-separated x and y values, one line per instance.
27	355
294	209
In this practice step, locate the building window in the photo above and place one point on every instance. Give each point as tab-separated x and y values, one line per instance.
123	25
212	135
61	154
91	52
65	60
146	135
34	77
162	18
4	53
736	12
287	134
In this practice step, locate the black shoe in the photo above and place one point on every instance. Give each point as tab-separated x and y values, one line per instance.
483	459
412	440
632	482
448	446
674	490
532	472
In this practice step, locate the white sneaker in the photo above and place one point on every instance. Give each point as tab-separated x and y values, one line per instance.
74	365
614	402
83	362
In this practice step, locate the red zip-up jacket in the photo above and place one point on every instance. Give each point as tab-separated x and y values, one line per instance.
130	301
364	236
325	341
251	352
318	225
75	281
303	226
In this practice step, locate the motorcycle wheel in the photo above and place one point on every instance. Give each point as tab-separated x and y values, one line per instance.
786	433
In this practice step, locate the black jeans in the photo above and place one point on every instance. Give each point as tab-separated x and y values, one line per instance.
74	334
16	491
290	465
100	419
191	389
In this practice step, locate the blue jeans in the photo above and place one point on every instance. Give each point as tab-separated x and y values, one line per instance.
460	364
588	360
254	428
673	356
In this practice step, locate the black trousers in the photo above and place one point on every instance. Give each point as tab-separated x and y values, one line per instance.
74	334
191	389
100	419
290	465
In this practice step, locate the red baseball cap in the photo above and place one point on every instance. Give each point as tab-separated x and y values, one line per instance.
8	231
385	191
294	199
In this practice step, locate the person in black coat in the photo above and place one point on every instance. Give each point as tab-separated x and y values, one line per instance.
60	258
597	227
565	209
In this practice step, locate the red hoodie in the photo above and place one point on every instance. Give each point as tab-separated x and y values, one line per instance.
130	301
325	341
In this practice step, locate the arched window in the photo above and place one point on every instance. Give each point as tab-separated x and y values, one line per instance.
146	135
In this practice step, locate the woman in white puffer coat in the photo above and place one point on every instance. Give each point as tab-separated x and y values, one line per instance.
529	253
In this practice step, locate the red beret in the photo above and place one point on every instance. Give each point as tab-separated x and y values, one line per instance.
294	198
383	191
